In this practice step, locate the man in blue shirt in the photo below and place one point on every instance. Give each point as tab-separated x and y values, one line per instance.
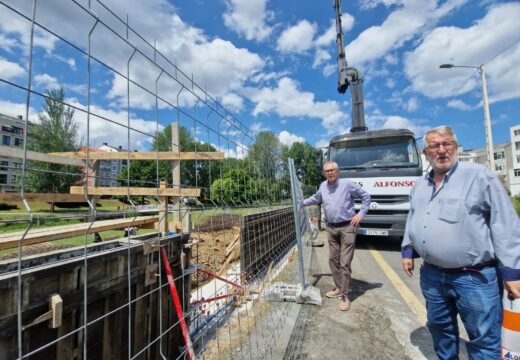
463	225
337	197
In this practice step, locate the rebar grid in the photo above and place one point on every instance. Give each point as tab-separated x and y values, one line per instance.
120	285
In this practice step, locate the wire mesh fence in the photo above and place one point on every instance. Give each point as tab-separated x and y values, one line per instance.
135	249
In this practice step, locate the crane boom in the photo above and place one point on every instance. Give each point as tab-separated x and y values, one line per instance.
349	76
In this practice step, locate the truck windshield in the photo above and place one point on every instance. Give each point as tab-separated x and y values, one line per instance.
394	152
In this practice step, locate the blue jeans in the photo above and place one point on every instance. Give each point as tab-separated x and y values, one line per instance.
475	296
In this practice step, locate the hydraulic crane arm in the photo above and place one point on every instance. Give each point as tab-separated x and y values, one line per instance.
348	76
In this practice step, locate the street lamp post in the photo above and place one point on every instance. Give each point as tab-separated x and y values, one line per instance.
485	104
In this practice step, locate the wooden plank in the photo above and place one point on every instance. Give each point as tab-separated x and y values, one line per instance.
160	155
9	151
10	240
135	191
232	244
15	196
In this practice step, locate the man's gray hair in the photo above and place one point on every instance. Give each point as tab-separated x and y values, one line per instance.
333	163
442	131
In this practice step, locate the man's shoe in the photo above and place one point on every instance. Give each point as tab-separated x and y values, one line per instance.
334	293
344	304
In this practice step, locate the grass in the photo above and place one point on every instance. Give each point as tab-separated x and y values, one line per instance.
516	204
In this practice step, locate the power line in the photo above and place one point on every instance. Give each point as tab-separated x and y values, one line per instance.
501	52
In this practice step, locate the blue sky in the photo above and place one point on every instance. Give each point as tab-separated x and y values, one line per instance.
272	64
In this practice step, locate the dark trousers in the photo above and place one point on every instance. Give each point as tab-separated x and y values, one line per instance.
342	241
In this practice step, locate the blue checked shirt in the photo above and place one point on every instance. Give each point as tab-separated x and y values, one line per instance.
468	220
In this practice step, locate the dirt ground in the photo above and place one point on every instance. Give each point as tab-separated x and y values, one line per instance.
214	251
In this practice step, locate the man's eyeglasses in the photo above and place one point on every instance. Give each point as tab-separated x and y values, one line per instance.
448	145
330	170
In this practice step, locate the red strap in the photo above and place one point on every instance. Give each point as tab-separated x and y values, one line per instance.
177	303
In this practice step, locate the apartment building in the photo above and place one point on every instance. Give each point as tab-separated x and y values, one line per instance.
507	160
109	170
514	170
12	135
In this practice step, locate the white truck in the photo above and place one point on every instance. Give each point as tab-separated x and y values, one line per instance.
385	162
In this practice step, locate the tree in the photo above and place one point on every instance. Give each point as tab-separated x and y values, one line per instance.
193	173
266	154
56	132
304	156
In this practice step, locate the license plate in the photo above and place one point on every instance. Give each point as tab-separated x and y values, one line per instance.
376	232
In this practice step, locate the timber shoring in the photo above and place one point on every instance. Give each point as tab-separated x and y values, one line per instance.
62	272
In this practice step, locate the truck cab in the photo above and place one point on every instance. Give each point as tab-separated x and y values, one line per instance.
386	163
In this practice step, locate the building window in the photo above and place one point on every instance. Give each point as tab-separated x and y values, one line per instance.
18	142
517	145
499	167
3	165
499	155
518	158
6	140
3	178
517	172
14	179
516	132
17	165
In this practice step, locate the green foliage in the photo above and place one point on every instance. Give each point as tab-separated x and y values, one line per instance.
239	184
304	156
194	173
516	204
266	154
56	132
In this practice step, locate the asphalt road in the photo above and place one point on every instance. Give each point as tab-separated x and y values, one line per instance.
387	316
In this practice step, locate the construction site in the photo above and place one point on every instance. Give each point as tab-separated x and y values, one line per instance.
180	264
141	219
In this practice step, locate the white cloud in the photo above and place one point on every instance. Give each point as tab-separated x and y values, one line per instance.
321	56
257	127
470	46
381	121
287	100
412	104
114	131
16	109
298	38
330	69
390	83
46	81
322	143
10	70
232	101
288	139
370	4
226	67
459	104
411	18
248	18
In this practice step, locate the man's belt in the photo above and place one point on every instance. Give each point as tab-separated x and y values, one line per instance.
477	267
340	224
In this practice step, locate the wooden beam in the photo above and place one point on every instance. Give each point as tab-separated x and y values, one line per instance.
135	191
161	155
9	151
10	240
44	197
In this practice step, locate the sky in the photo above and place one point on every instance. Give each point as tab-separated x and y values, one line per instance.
272	63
